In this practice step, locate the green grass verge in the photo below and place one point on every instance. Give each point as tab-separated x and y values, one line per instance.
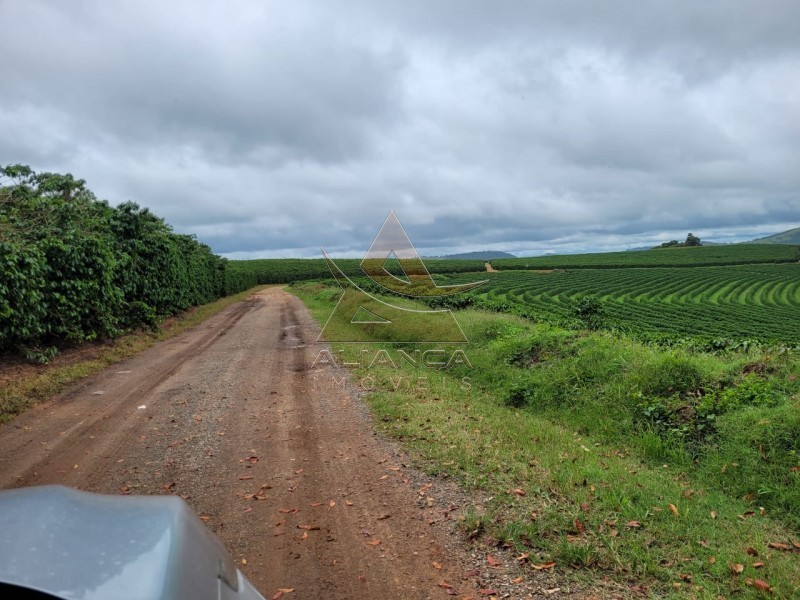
45	381
657	467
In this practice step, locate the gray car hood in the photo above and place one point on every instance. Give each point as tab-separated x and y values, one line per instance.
85	546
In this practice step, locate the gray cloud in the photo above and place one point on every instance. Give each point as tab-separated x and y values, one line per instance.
271	128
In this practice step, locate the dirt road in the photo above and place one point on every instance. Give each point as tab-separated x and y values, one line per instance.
279	461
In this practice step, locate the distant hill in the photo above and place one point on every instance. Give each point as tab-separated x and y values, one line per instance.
792	236
480	255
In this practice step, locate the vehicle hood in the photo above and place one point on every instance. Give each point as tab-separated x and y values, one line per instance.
84	546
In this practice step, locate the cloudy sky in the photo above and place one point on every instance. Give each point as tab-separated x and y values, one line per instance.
270	128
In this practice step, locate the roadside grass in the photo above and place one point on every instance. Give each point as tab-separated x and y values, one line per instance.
45	381
655	467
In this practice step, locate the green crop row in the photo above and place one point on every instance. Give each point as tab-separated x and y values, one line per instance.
696	256
288	270
758	302
73	268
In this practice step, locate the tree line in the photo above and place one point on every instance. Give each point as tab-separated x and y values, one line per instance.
691	241
73	268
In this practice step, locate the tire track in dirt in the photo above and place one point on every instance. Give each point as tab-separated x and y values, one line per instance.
76	424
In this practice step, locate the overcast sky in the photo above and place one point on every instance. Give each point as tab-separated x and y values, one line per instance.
271	128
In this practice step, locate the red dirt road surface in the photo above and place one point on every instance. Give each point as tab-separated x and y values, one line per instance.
278	460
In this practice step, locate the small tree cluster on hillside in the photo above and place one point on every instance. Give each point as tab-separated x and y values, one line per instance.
691	240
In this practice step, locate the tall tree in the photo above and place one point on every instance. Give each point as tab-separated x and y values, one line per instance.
692	240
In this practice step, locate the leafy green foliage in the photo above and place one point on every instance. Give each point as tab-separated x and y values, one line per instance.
589	311
519	395
73	268
22	308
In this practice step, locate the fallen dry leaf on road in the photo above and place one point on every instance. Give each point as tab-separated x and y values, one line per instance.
488	592
447	588
543	566
492	561
437	565
374	543
519	492
288	510
309	527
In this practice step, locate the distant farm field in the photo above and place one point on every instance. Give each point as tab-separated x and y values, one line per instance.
738	254
287	270
755	302
719	294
